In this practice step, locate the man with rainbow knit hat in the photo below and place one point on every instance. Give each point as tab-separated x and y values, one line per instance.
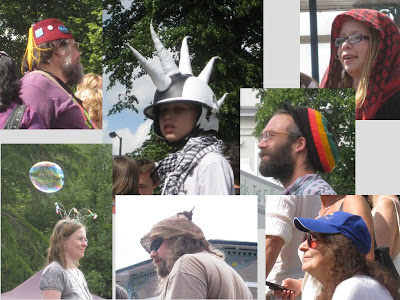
295	145
51	65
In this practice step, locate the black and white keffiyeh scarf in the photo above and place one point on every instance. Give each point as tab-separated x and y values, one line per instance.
175	168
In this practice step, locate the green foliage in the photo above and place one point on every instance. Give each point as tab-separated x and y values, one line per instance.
230	29
23	250
153	148
83	18
337	106
28	215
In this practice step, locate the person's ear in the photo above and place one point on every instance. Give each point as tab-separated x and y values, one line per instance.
300	144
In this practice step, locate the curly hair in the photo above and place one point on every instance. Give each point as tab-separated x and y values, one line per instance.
343	261
125	176
9	83
43	53
63	230
92	102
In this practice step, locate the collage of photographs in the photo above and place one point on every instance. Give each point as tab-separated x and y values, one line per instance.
222	149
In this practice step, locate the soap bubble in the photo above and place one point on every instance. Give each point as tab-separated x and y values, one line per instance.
47	177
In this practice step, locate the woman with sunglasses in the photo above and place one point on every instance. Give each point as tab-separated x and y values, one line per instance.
10	102
308	287
334	249
365	55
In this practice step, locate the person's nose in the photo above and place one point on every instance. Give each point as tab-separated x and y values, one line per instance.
346	44
262	144
304	246
153	254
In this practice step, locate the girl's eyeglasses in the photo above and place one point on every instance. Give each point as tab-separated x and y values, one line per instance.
312	240
353	39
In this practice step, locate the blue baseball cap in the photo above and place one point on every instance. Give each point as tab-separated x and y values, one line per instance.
350	225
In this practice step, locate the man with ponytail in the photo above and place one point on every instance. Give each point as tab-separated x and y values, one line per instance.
51	65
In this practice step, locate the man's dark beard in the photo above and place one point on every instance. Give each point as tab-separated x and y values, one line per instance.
73	71
279	164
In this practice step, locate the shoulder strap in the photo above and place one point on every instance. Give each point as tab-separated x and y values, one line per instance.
83	111
15	118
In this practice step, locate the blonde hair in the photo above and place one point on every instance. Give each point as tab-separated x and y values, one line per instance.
92	102
362	88
63	230
343	80
90	80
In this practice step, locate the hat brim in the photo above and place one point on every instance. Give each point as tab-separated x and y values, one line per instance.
314	225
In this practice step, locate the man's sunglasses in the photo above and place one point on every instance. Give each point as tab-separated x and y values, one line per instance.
311	239
156	244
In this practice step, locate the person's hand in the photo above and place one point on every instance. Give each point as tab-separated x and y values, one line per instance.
294	285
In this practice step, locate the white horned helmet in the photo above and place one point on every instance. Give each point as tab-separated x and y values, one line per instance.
180	85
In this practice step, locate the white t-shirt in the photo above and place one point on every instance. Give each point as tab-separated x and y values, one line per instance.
361	287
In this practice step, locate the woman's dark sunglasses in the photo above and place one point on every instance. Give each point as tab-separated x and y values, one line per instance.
156	244
311	239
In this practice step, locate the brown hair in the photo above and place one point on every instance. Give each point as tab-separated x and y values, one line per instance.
147	165
63	230
125	176
344	261
43	54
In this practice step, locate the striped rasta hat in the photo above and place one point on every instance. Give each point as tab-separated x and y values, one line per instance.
323	149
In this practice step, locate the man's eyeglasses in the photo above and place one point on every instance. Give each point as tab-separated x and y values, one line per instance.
266	135
353	39
74	43
4	53
311	239
156	244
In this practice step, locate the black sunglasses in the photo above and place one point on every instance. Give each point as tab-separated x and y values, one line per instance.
156	244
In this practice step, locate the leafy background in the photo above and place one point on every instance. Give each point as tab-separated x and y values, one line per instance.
28	215
338	107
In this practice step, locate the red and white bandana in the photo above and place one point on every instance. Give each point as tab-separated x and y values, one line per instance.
384	79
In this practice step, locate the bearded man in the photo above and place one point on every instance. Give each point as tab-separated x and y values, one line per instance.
295	145
51	64
188	267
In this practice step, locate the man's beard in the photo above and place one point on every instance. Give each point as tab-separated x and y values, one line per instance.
164	267
279	164
73	71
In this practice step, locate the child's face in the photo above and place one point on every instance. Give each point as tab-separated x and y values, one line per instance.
176	120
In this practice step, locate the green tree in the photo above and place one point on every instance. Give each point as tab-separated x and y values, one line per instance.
28	215
82	18
230	29
337	106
